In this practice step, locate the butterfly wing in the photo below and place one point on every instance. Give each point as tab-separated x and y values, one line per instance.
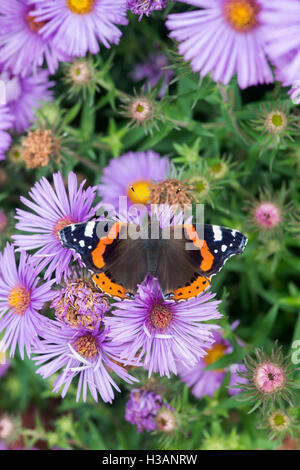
187	264
120	263
117	262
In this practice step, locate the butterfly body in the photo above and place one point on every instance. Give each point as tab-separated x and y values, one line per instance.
183	258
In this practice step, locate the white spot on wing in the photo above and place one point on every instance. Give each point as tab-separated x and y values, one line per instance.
89	229
82	243
217	233
223	248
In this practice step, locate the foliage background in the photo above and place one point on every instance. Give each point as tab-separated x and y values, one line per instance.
260	288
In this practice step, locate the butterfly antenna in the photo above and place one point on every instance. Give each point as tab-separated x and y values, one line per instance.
133	190
178	190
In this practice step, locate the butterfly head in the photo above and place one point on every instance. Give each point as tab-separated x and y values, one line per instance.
66	236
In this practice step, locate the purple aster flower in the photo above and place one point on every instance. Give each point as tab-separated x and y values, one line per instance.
51	210
282	38
161	332
142	408
21	300
76	26
152	70
224	37
23	49
83	353
6	122
25	94
207	382
138	170
145	7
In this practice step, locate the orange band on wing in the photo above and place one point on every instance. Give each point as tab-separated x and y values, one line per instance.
108	287
195	288
97	254
208	257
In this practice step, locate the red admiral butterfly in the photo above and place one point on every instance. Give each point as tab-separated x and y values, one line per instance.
119	263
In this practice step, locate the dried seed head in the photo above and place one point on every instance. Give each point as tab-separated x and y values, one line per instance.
39	146
171	191
80	304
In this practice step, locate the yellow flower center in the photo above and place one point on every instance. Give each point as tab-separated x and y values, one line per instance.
277	120
279	421
218	170
242	14
200	185
15	153
19	299
139	192
81	7
216	352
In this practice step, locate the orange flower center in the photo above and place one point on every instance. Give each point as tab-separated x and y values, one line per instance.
140	193
242	14
216	352
35	26
19	299
60	224
81	7
86	346
160	317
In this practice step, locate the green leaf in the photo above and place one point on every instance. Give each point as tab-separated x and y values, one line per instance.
95	440
73	112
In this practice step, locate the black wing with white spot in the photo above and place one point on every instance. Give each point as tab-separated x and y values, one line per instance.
83	238
222	243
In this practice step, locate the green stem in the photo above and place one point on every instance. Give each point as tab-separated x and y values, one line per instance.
230	112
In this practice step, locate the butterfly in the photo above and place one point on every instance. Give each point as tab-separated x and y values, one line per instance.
183	265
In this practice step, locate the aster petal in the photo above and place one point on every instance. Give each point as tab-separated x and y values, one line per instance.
210	42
